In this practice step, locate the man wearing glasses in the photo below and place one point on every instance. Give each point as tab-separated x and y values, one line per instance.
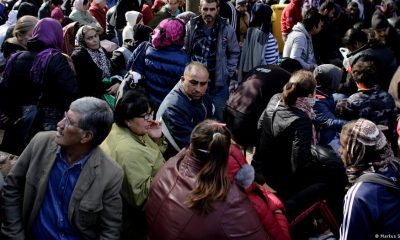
63	186
185	106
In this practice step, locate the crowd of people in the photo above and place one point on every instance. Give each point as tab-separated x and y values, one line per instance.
135	119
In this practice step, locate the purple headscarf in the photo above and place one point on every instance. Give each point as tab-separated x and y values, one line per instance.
49	33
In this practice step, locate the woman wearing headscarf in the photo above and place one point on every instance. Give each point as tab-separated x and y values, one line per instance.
371	209
191	197
81	14
92	65
162	61
40	76
260	46
69	33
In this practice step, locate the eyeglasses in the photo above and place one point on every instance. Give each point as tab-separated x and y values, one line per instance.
67	121
148	116
197	82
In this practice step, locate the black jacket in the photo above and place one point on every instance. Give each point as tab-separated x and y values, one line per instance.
283	155
245	106
59	88
89	76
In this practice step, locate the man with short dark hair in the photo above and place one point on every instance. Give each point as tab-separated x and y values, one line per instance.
371	102
185	106
211	41
298	44
63	186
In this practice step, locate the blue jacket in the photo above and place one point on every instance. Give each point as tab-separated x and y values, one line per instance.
181	114
161	68
328	124
371	211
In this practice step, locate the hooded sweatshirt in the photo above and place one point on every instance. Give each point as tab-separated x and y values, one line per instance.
299	46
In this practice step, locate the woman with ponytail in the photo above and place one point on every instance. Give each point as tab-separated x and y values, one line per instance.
191	197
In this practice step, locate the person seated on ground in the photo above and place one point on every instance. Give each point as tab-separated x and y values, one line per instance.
92	64
191	197
58	15
329	39
21	34
98	9
269	208
47	7
49	86
132	37
245	106
360	44
185	106
329	125
69	33
122	54
370	208
386	34
299	45
136	144
283	156
80	13
260	46
162	61
167	11
63	185
371	102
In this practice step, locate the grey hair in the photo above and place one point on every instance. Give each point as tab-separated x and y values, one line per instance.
95	116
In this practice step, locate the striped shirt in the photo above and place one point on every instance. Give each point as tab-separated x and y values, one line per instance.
271	52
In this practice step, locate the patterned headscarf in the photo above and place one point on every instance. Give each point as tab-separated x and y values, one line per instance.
357	137
303	104
98	56
170	31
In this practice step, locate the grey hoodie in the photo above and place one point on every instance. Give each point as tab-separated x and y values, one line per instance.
299	46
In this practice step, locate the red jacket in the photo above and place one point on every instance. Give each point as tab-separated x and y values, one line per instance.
99	14
168	216
148	14
269	208
291	15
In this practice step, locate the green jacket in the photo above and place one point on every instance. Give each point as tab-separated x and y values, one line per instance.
139	157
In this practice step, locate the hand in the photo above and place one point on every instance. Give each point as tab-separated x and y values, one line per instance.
154	129
340	107
113	89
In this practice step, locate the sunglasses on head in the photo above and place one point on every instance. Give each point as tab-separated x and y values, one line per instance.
197	82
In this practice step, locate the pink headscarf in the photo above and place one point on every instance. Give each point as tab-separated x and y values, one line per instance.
170	31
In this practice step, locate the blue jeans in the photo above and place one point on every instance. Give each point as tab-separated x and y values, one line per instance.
219	95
